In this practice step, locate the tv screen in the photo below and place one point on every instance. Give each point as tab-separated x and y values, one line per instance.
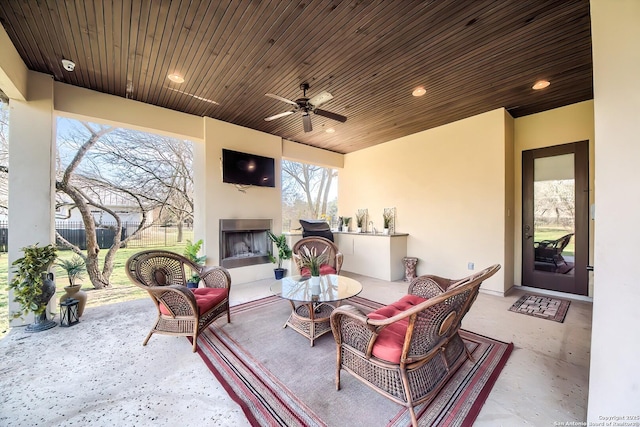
247	169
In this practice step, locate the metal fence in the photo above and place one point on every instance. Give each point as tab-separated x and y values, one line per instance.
74	232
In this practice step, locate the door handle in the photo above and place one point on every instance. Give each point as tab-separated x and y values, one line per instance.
527	228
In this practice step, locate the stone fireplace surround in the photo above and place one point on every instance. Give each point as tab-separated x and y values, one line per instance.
244	242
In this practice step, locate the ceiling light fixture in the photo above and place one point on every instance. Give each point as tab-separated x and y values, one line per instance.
176	78
419	91
540	84
68	64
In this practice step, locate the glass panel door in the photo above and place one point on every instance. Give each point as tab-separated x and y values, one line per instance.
555	218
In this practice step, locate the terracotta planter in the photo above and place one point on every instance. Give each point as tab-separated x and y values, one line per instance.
76	292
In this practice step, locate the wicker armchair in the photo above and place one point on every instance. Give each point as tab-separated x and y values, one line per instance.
407	350
320	243
550	251
181	311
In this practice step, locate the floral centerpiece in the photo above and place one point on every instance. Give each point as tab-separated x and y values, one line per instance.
312	260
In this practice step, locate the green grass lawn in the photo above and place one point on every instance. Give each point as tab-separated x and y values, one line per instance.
554	234
121	287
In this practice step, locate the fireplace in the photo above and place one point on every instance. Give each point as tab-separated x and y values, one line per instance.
244	242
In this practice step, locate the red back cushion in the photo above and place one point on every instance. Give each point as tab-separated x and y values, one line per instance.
388	345
324	270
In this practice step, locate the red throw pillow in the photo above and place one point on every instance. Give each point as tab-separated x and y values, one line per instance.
388	345
206	299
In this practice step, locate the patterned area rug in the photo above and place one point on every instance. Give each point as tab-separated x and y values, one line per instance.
543	307
279	380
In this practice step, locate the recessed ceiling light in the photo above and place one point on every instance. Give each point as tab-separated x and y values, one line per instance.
540	84
419	91
330	130
176	78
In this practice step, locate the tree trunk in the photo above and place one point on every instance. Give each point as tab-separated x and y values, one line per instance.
180	232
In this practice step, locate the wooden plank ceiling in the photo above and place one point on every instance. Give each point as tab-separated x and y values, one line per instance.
471	56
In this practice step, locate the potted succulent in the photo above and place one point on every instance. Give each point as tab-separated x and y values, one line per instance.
360	217
284	252
387	217
33	285
191	253
74	268
346	221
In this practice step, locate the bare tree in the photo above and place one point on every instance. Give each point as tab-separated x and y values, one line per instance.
308	183
147	171
156	168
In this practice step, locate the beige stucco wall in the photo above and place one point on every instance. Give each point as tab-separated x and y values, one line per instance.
31	136
448	186
216	200
614	381
307	154
563	125
13	71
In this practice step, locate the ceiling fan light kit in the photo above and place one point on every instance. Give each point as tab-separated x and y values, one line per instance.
306	106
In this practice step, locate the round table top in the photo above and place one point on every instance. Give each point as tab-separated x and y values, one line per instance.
331	288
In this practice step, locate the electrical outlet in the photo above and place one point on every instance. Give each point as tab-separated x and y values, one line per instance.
470	266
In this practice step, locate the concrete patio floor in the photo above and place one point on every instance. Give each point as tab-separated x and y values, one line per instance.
97	372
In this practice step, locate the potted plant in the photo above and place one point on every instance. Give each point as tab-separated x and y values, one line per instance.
387	217
33	285
346	221
191	253
284	252
310	259
74	268
360	216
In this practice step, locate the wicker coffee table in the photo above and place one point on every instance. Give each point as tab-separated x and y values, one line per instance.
310	308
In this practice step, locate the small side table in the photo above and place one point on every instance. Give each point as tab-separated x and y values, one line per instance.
409	268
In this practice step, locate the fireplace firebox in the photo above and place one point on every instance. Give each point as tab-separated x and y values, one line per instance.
244	242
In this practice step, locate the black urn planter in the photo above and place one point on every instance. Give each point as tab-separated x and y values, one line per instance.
41	323
279	272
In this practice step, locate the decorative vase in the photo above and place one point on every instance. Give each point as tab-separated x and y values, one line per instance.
76	293
358	229
385	231
345	228
41	323
314	281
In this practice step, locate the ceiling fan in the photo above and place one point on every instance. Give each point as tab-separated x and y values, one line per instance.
306	106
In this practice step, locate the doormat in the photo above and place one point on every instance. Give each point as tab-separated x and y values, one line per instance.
544	307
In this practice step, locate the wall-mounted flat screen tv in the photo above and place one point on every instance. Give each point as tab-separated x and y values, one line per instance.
247	169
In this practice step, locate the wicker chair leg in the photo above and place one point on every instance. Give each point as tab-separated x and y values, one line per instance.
414	419
146	340
468	353
195	343
228	315
338	367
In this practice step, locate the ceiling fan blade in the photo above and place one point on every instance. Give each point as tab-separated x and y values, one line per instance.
330	115
320	98
279	98
306	122
277	116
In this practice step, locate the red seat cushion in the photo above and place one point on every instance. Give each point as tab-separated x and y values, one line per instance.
206	299
388	345
324	270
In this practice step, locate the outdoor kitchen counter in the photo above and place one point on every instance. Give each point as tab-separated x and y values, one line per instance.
373	255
